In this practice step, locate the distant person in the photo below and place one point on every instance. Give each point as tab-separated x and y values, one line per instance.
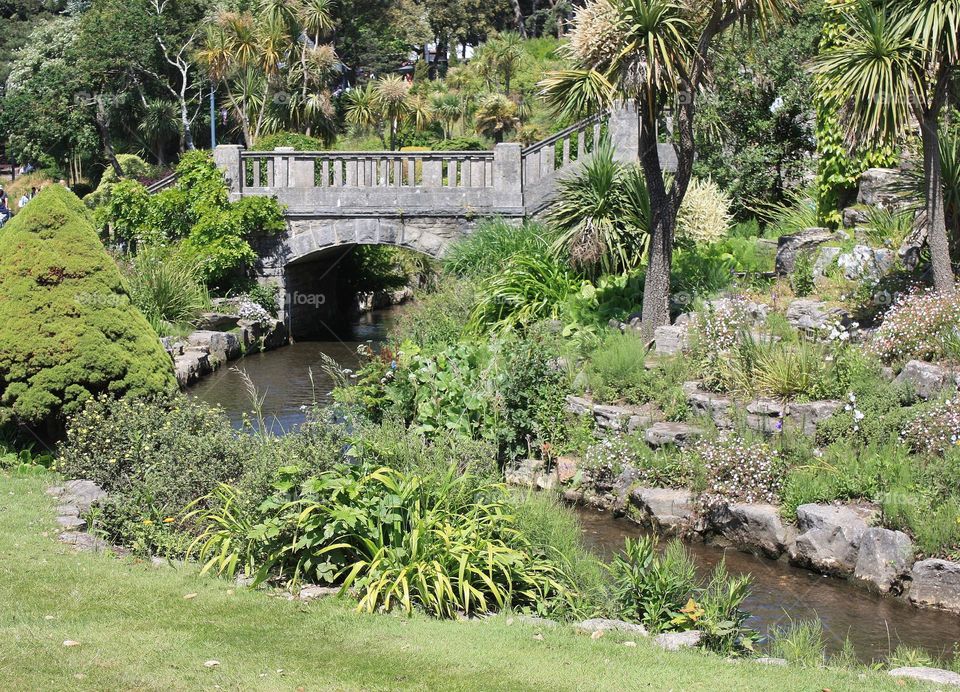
24	199
4	198
33	192
4	211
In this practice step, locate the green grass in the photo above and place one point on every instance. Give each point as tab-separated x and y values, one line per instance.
137	631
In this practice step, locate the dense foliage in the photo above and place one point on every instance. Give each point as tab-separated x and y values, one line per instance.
69	329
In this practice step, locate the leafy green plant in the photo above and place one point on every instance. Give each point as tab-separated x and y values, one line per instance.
801	278
907	657
495	242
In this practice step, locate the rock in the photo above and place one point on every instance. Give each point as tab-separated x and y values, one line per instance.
665	509
82	494
829	539
671	339
547	480
674	641
55	490
524	472
854	216
935	675
222	346
826	259
936	583
884	557
566	469
217	322
866	263
790	246
752	527
806	417
676	434
605	625
715	406
627	418
71	522
878	188
579	406
771	661
262	336
191	366
813	315
68	511
315	593
925	379
84	542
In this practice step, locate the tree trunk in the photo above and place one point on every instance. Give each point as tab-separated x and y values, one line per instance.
663	221
518	18
185	125
102	121
943	280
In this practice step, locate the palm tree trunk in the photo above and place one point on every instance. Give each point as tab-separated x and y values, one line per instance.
663	221
943	279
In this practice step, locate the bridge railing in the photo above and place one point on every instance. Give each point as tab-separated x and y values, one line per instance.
544	161
282	169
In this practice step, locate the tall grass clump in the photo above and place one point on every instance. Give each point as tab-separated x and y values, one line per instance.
167	289
493	244
800	642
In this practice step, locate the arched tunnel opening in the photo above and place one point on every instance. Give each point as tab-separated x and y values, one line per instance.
321	289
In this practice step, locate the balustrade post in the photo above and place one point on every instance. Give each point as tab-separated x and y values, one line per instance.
508	176
624	132
227	158
281	166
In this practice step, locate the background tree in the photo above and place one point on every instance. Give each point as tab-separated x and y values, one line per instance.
496	117
656	53
896	61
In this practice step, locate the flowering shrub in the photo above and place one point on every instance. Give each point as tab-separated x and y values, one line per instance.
739	471
248	310
935	430
704	216
609	457
921	324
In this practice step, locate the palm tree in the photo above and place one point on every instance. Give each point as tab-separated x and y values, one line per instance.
603	214
446	107
363	109
159	124
897	61
316	18
656	53
393	100
496	117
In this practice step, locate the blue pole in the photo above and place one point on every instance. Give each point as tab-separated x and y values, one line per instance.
213	116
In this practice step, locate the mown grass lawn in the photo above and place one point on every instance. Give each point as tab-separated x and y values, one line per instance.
137	630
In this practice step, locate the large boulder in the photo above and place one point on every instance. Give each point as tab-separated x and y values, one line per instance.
829	537
878	188
866	263
789	247
671	339
756	528
936	583
595	625
715	406
222	346
674	641
807	416
925	379
263	335
664	509
884	558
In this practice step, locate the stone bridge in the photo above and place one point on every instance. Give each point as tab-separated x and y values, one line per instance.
423	201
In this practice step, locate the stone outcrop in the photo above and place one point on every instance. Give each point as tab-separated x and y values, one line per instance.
878	188
789	247
809	315
807	416
671	434
665	509
884	558
218	322
204	351
609	417
221	346
531	473
764	415
671	339
865	263
718	407
936	584
926	379
829	537
754	528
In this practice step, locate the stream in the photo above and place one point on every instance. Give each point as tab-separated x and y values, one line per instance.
291	378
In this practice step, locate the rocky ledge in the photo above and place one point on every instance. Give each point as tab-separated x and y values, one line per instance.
206	350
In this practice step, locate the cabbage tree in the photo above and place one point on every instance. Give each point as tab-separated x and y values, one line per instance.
896	61
656	53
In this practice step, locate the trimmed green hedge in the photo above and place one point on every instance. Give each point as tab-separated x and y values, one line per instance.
67	328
